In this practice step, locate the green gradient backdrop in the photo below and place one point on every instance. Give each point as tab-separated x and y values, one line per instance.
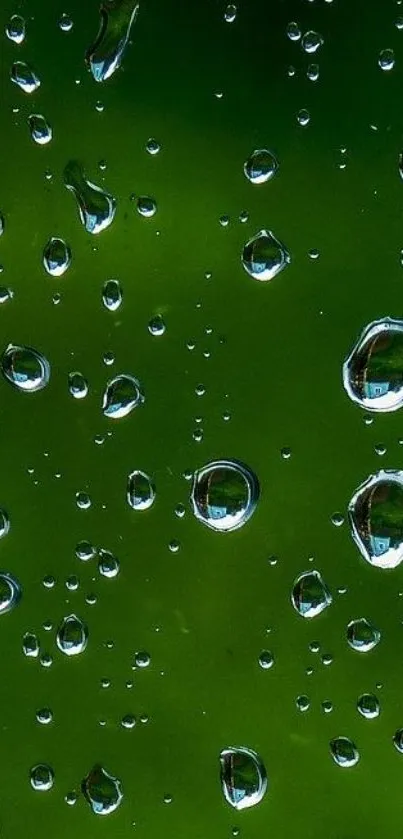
278	372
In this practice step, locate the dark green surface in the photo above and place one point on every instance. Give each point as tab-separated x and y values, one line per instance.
278	373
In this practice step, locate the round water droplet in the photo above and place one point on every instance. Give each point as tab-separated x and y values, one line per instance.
112	295
24	76
30	645
344	752
230	13
146	206
303	703
56	257
373	372
368	706
108	565
140	490
260	166
376	518
310	595
72	636
156	326
102	790
122	395
398	740
243	777
303	117
386	59
25	368
362	635
83	500
293	31
44	716
128	721
224	494
10	592
15	29
142	659
78	385
41	777
266	659
313	72
41	131
153	146
65	23
311	41
264	256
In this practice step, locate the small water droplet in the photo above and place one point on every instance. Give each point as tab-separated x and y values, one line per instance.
83	500
398	740
106	53
85	550
41	131
230	13
337	519
140	490
243	777
41	777
266	659
156	326
65	23
121	396
30	645
153	146
112	295
78	385
264	256
293	31
56	257
25	368
24	76
368	706
313	72
376	518
71	798
224	494
386	59
303	117
102	790
310	595
15	29
44	716
344	752
362	635
260	167
108	565
72	636
303	703
96	206
142	659
373	372
146	206
311	41
327	706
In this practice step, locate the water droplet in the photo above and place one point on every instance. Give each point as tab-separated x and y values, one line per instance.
56	257
337	519
303	117
146	206
260	167
44	716
85	550
293	31
41	777
156	326
112	295
398	740
78	385
386	59
65	23
41	131
4	523
122	395
24	76
362	636
327	706
25	368
344	752
96	206
102	791
230	13
30	645
142	659
243	777
153	146
313	72
264	256
224	494
373	372
311	41
310	595
140	490
266	659
83	500
2	224
376	518
108	565
15	29
128	721
368	706
10	592
71	798
303	703
72	635
105	55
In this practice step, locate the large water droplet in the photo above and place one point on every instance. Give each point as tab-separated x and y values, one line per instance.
56	256
140	490
24	76
78	385
310	595
122	395
243	777
368	706
102	791
27	369
362	635
15	29
112	295
10	592
260	166
344	752
105	55
373	372
311	41
96	207
224	494
264	256
72	635
376	518
41	777
41	131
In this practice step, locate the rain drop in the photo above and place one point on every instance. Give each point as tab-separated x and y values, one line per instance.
10	592
146	206
398	740
140	490
310	595
386	59
15	29
224	494
243	777
24	76
230	13
41	131
156	326
106	53
108	565
95	206
344	752
30	645
368	706
25	368
362	636
311	41
72	636
122	395
41	777
56	257
264	256
112	295
260	167
78	385
102	791
376	518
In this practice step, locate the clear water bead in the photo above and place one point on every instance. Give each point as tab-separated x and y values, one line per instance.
344	752
386	59
264	256
96	207
121	396
373	372
112	295
140	492
41	131
260	167
106	53
56	257
243	777
72	636
102	790
41	777
224	494
376	518
78	385
310	595
362	635
368	706
24	76
15	29
25	368
10	592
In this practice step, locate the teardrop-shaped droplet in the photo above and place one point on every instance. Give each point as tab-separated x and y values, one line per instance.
102	790
362	635
41	777
224	494
122	395
41	131
96	207
112	295
264	256
260	167
72	635
15	29
310	594
108	564
27	369
56	257
344	752
373	372
30	645
78	385
243	777
10	592
105	55
376	518
140	490
368	706
24	76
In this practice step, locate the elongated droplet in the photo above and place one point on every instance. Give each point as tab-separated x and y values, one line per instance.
260	167
344	752
264	256
78	385
41	131
41	777
56	257
112	295
10	592
25	368
224	494
24	76
108	564
376	518
122	395
373	372
105	55
72	635
310	595
15	29
243	777
140	490
30	645
362	635
102	790
96	207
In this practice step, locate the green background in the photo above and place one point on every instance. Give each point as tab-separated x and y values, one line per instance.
275	357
